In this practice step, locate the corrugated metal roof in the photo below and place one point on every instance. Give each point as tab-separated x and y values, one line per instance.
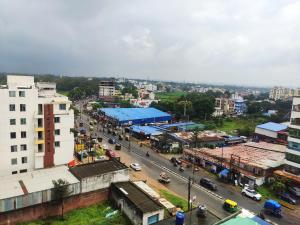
134	194
34	181
131	114
272	126
146	130
97	168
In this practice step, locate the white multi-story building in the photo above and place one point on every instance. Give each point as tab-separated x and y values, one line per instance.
35	126
281	93
292	159
107	89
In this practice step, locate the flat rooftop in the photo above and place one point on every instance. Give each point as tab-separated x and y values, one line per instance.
97	168
30	182
137	197
276	127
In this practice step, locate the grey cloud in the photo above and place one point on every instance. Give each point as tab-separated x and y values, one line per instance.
237	42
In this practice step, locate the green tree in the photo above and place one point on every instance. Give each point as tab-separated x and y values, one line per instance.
60	192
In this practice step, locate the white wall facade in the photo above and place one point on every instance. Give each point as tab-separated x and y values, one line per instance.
265	132
27	93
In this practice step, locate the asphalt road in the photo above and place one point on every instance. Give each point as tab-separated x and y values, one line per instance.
156	163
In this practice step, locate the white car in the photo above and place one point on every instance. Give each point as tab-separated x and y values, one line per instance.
136	166
251	193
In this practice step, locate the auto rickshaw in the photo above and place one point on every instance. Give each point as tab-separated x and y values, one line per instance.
230	206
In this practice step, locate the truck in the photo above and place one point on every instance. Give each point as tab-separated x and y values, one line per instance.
272	207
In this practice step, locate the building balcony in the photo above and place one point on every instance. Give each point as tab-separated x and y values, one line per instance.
297	165
37	129
39	141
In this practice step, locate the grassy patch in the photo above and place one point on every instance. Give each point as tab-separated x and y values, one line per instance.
169	96
175	200
266	192
66	93
232	125
93	215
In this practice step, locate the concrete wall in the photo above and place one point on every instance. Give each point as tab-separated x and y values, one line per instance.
267	133
134	215
104	180
45	210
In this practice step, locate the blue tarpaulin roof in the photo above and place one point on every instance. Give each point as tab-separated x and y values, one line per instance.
136	115
272	126
146	130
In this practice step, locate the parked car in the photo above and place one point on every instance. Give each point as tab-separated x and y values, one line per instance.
136	166
110	153
251	193
118	147
111	141
294	190
207	183
287	198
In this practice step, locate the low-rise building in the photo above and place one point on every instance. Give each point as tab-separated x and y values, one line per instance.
138	206
247	164
271	132
33	188
100	175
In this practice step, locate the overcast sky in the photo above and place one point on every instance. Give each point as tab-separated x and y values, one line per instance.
251	42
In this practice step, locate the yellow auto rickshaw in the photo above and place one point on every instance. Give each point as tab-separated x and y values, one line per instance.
230	206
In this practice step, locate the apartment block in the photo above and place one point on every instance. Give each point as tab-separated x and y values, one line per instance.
107	89
36	123
292	159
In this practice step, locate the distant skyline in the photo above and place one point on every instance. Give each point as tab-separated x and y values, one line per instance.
234	42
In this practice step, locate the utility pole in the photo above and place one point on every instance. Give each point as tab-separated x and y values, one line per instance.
189	194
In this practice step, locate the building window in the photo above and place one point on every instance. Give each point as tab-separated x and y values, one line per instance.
23	147
21	93
14	148
40	109
14	172
23	121
293	158
294	133
24	160
40	122
56	119
40	135
22	107
23	171
12	121
14	161
57	144
57	132
40	147
12	107
13	135
23	134
12	94
62	106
